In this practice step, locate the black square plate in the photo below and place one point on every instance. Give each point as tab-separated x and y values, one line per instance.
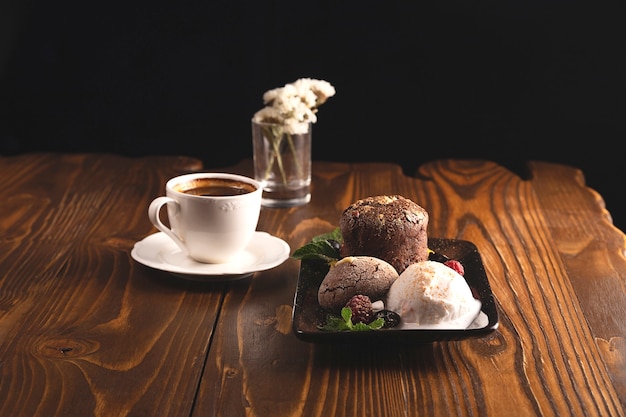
307	314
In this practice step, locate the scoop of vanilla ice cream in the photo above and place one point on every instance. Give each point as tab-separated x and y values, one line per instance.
431	295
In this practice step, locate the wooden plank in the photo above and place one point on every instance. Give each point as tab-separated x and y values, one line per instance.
593	252
84	329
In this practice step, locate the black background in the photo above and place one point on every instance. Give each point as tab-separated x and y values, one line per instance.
415	80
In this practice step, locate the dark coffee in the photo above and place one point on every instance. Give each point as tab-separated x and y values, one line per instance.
215	187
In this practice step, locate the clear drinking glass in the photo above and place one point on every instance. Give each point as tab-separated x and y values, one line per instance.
282	163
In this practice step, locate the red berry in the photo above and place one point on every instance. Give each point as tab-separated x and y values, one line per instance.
456	265
361	307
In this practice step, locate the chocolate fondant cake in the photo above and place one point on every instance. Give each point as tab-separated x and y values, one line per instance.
389	227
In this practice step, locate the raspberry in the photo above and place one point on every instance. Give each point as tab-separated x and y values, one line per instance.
456	265
361	307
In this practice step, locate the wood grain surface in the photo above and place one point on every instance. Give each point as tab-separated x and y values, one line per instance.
87	331
552	355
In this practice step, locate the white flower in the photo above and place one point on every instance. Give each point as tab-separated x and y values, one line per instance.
322	89
289	110
268	115
294	105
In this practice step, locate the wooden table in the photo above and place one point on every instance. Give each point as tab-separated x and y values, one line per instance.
85	330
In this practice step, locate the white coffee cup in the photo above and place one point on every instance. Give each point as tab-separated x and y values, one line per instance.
213	216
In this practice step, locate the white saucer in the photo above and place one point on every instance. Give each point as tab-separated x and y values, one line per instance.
160	252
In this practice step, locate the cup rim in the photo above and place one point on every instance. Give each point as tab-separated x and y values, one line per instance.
169	185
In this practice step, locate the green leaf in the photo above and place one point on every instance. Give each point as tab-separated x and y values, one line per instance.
320	247
344	323
335	324
346	314
377	324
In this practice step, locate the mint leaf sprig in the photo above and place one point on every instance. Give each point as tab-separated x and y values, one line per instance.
322	247
344	323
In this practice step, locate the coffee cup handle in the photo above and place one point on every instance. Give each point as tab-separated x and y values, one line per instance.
153	214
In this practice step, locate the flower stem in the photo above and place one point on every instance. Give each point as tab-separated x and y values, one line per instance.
296	160
275	135
279	160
